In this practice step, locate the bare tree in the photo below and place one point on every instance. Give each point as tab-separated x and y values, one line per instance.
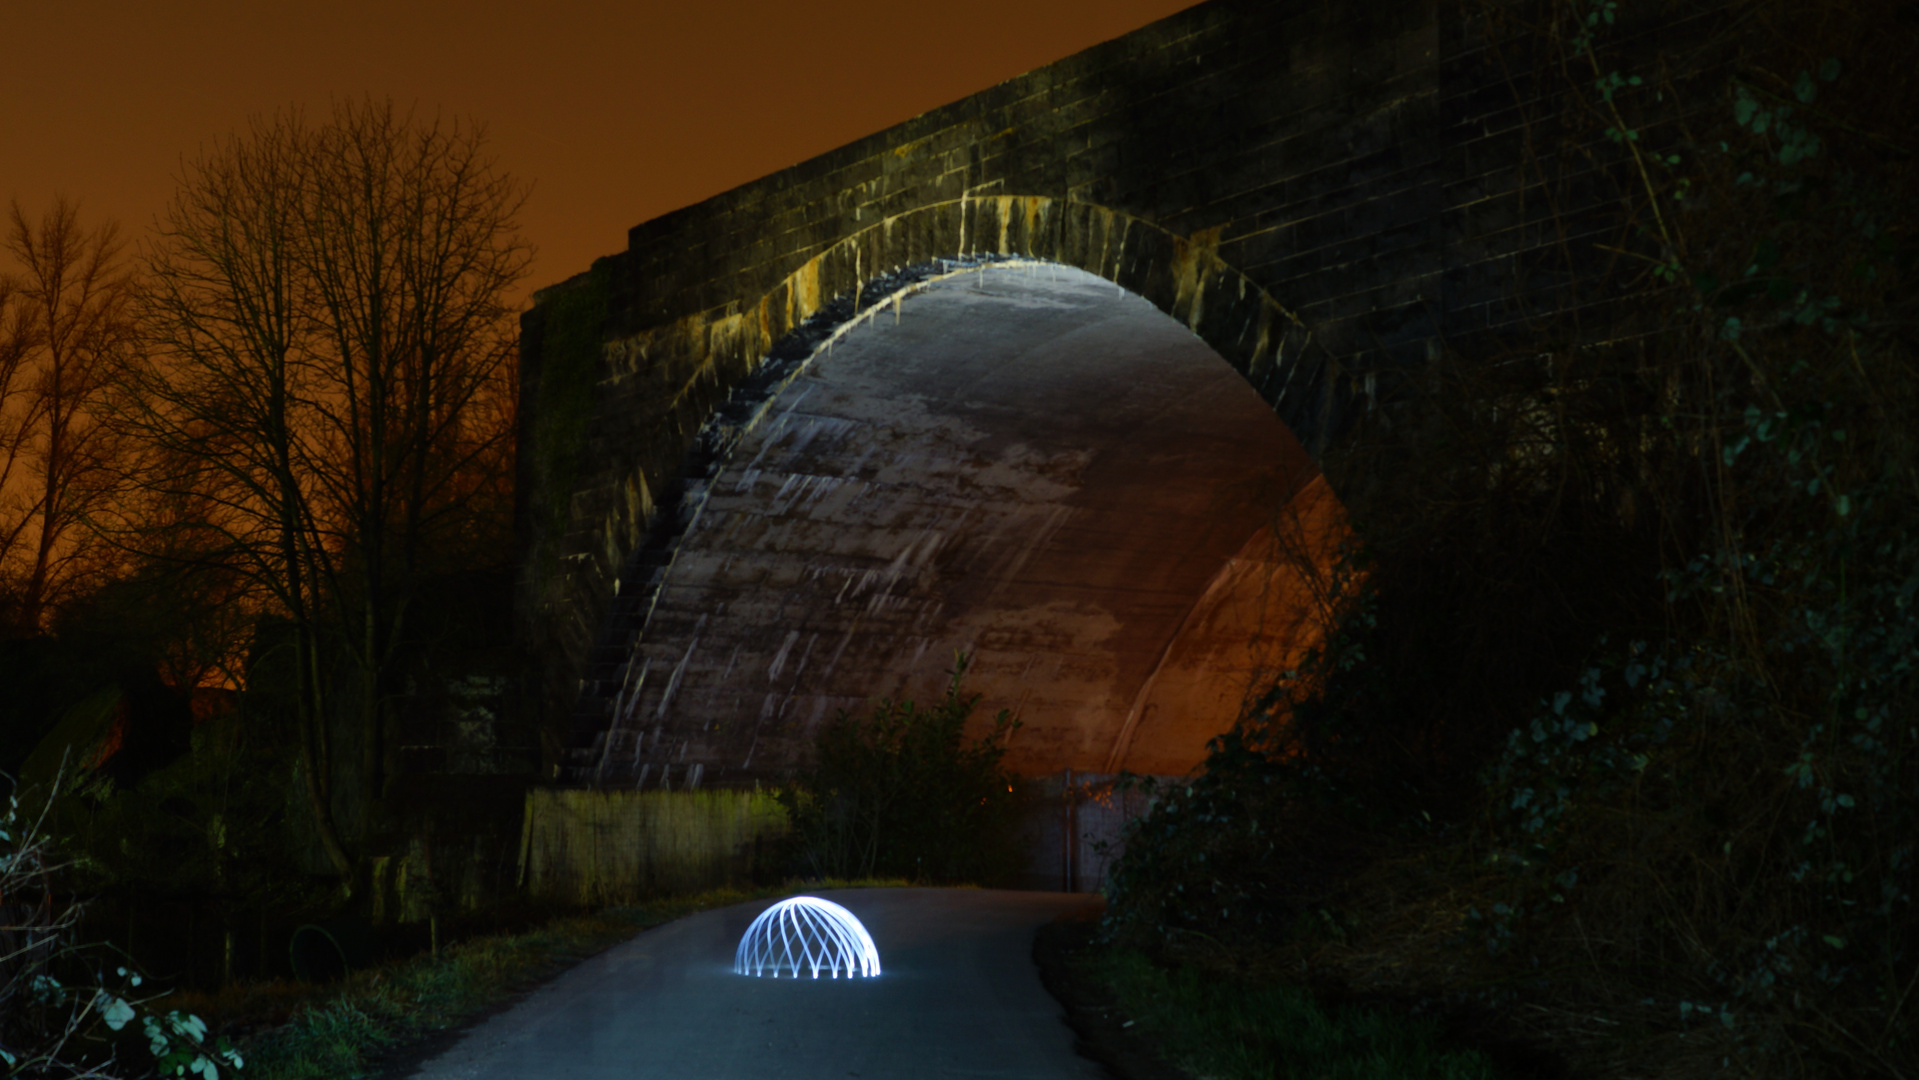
218	403
75	295
330	350
17	338
410	250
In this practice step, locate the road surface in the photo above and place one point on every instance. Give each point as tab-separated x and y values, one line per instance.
958	997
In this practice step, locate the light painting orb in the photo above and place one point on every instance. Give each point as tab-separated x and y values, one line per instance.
807	936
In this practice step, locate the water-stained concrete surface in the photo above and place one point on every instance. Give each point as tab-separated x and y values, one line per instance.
959	996
1024	462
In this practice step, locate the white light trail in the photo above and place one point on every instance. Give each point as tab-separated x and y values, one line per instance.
807	935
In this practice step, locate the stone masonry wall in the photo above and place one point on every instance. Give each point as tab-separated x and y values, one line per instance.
1327	194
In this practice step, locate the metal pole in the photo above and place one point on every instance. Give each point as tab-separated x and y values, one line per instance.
1071	841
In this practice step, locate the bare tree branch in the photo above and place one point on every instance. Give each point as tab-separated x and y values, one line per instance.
328	389
75	294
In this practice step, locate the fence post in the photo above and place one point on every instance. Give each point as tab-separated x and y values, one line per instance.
1070	841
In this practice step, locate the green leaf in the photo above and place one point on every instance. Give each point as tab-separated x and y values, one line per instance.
1829	68
115	1011
1803	88
1835	942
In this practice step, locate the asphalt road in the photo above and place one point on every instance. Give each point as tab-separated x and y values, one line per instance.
959	997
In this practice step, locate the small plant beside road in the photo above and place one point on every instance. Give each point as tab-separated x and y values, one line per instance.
902	794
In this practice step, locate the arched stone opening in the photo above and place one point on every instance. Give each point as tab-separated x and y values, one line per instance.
1182	275
1006	456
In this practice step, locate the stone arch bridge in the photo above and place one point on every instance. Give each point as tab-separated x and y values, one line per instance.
1041	375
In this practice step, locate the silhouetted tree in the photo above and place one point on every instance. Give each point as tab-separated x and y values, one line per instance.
67	331
17	335
326	403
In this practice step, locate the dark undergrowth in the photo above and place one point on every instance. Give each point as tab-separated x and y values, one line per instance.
1613	736
1275	1030
901	793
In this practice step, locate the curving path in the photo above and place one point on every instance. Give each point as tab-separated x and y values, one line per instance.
959	997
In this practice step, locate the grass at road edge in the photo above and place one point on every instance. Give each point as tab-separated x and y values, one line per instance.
344	1029
1216	1028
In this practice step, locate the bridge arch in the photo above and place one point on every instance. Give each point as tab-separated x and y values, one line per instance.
1184	275
1322	195
1144	662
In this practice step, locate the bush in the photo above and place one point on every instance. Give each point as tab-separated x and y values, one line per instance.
1622	740
61	1013
1234	1031
902	795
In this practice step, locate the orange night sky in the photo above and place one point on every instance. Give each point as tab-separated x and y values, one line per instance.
618	111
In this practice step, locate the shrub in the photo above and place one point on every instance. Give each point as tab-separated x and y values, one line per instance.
61	1013
902	794
1623	738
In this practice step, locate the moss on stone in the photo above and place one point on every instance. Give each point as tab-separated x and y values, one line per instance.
573	317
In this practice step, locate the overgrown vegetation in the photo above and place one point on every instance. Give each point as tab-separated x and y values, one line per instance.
1615	738
68	1009
902	794
257	487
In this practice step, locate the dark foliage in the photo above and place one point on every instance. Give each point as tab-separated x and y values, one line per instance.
901	794
1617	736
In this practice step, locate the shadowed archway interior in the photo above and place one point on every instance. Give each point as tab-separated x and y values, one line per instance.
1024	462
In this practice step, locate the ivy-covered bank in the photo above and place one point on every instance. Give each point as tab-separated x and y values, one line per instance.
1615	741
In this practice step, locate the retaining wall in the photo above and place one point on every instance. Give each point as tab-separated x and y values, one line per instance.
616	847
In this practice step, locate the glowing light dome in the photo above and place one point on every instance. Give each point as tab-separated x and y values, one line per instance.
807	935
